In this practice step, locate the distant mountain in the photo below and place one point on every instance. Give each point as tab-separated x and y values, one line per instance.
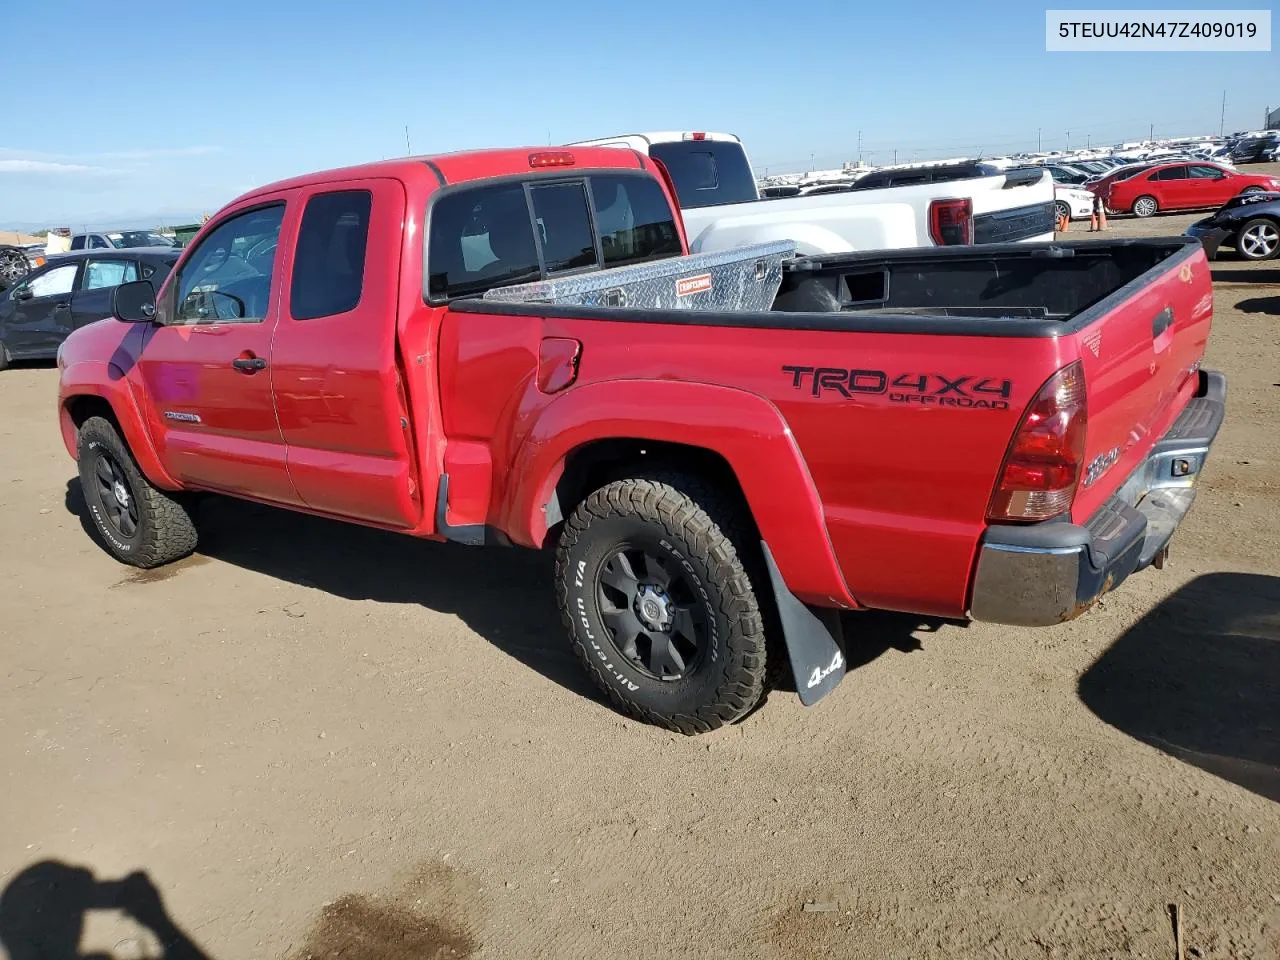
142	221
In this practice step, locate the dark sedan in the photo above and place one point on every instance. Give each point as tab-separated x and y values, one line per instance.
69	291
1249	223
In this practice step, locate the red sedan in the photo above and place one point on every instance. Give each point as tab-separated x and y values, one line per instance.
1182	186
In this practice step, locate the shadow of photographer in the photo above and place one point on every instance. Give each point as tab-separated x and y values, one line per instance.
43	913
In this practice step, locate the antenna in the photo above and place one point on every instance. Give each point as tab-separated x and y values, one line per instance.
408	150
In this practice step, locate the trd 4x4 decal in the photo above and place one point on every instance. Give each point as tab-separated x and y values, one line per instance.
926	389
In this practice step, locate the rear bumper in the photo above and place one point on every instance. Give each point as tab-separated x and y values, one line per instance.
1050	572
1211	238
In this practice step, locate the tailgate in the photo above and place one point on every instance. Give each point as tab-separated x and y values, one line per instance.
1018	205
1141	349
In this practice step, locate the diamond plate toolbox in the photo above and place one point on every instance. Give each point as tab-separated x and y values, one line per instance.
745	278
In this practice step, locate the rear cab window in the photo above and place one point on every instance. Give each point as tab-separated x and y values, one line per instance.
496	234
707	172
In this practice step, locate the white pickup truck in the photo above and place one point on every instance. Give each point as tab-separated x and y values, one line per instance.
722	207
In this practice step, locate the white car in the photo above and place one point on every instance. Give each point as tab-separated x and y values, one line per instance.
1072	202
722	208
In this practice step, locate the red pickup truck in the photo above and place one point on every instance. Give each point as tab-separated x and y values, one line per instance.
1002	433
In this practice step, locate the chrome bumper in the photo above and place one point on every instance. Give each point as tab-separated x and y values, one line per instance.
1049	572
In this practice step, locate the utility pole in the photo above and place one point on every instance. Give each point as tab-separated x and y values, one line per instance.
1151	132
1038	140
859	146
811	163
1088	142
1068	141
895	156
408	150
1222	120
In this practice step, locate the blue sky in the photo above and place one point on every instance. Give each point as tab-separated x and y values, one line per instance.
176	109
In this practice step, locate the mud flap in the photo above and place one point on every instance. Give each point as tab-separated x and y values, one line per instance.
816	658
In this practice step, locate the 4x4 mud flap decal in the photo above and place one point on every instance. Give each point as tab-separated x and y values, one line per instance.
817	661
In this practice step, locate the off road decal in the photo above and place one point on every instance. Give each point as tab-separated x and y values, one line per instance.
688	286
923	389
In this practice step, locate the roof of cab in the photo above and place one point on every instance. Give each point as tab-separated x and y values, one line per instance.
463	166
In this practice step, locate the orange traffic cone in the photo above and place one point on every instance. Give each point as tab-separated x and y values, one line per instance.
1102	215
1063	223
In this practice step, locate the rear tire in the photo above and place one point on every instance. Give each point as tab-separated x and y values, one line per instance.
654	591
1145	206
139	523
1064	209
1259	239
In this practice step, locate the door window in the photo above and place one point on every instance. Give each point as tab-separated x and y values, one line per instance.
227	278
1170	173
57	281
108	273
98	243
328	266
1205	173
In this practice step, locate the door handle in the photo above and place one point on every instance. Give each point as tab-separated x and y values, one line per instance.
249	364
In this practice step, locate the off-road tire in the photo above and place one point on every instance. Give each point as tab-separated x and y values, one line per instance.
706	534
164	529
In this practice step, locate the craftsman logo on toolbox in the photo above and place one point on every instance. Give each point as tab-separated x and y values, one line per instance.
688	286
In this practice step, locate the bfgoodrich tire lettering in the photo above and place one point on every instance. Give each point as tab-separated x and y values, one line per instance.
693	537
140	524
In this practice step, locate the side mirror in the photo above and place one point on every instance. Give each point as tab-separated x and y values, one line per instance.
134	302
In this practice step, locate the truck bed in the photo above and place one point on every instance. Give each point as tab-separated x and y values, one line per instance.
1014	289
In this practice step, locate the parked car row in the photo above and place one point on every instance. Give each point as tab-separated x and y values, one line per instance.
1176	186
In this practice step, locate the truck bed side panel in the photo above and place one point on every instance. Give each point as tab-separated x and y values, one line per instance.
903	434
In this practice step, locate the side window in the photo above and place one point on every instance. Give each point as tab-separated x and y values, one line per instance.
98	243
328	265
56	282
481	237
108	273
634	219
1205	173
1170	173
228	276
564	226
77	243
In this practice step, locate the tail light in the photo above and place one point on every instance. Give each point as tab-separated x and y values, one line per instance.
697	135
552	158
1046	457
951	221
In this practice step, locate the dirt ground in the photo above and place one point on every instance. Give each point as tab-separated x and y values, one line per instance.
313	740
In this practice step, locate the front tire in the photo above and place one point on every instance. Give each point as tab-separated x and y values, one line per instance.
1259	239
1145	207
139	523
654	591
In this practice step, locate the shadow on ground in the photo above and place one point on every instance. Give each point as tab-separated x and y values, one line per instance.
1233	273
1265	305
503	594
44	909
1199	677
